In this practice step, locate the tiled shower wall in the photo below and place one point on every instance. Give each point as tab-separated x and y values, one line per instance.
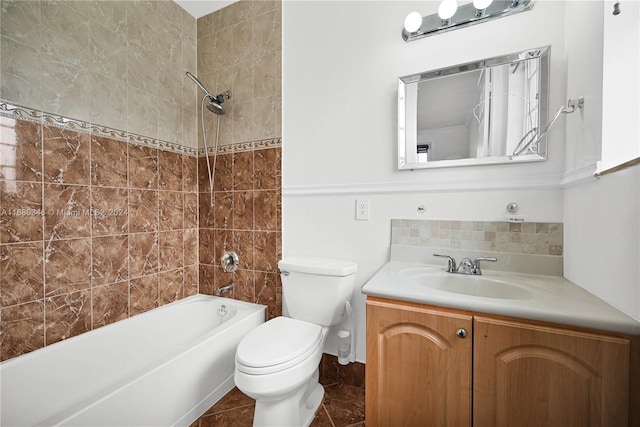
239	49
106	64
120	64
93	230
99	213
246	218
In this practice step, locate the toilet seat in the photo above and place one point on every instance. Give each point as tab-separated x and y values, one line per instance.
277	345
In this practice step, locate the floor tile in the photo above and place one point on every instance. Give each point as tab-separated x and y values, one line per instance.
322	418
239	417
232	400
342	406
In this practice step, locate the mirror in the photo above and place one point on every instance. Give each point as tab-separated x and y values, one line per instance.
482	112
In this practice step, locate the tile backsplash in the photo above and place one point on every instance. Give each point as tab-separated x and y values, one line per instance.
531	238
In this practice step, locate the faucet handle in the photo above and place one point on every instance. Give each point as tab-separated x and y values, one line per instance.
476	263
451	267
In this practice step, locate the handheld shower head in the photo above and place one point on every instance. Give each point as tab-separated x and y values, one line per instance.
215	108
215	102
196	81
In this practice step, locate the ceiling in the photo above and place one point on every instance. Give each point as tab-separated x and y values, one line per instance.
199	8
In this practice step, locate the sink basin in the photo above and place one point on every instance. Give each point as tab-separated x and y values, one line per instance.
476	286
479	286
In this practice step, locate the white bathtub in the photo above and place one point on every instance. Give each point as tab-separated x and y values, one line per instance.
164	367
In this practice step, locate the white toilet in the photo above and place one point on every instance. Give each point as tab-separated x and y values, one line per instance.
277	363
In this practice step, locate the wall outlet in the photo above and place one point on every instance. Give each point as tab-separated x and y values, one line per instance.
362	209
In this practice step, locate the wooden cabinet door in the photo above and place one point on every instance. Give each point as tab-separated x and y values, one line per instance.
527	375
418	371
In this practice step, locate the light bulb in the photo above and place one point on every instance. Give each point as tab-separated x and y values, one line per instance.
481	4
447	9
412	22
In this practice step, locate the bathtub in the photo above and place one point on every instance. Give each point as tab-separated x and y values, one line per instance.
164	367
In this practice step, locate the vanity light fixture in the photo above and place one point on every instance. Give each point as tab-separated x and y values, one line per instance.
412	22
481	6
446	10
451	17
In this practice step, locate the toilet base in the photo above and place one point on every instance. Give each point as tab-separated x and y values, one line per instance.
296	411
308	409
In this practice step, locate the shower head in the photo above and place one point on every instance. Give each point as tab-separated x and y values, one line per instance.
215	108
215	102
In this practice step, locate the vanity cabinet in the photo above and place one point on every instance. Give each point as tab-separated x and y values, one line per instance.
421	371
418	370
530	375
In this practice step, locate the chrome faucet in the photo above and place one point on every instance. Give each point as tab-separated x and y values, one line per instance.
225	289
466	265
451	266
476	264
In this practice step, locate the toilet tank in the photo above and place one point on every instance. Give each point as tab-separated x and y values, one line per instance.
316	289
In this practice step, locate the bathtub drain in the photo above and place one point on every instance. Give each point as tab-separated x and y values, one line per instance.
222	310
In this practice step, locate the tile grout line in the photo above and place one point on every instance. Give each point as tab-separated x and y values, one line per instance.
227	410
328	414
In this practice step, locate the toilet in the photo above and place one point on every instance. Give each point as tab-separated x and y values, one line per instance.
277	363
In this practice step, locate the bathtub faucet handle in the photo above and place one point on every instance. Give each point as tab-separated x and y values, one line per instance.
230	261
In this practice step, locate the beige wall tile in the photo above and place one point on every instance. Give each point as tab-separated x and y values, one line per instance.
63	46
110	14
65	32
21	72
524	238
108	51
21	21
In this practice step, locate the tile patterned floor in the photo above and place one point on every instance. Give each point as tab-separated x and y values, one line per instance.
342	406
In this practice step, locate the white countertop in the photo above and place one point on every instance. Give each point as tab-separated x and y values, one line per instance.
535	297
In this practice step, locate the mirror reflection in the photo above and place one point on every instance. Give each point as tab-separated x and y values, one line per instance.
488	111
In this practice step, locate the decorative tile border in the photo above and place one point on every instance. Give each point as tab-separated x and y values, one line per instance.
244	146
532	238
10	110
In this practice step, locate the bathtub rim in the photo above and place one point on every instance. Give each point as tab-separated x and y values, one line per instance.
189	299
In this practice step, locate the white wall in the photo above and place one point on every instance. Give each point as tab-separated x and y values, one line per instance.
602	218
341	61
621	91
583	53
340	65
602	239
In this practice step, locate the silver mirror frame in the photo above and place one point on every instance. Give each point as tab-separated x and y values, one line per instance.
542	53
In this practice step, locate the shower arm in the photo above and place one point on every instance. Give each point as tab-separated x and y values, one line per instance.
572	106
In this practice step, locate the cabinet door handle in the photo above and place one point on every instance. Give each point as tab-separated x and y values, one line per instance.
461	333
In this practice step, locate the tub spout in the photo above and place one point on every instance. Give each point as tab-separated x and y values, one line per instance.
225	289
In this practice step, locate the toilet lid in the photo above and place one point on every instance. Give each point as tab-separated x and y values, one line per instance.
277	342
